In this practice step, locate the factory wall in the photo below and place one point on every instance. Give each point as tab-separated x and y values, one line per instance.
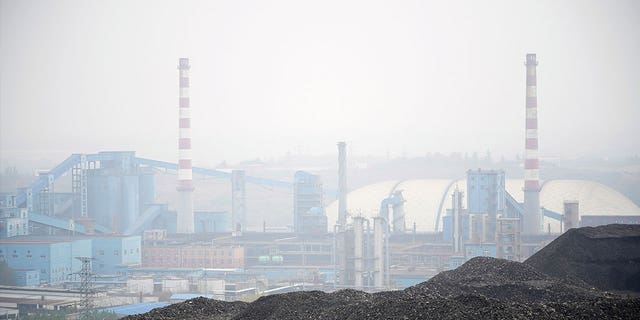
114	253
447	226
80	248
130	202
11	227
113	198
193	256
308	206
13	222
27	278
104	198
485	191
7	200
147	193
54	260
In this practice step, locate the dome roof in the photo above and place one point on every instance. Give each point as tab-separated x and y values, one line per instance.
428	199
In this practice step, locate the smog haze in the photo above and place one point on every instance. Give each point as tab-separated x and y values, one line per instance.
275	77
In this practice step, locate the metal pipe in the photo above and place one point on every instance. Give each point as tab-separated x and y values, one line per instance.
456	220
335	255
378	251
358	239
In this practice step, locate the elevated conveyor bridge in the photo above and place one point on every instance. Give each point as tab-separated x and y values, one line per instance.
80	162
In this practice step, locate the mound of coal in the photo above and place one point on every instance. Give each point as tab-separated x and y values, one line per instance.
506	281
482	288
556	283
193	309
607	257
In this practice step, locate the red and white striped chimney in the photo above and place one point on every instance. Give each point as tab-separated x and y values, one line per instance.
532	220
185	184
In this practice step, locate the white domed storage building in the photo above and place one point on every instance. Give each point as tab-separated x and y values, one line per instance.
428	199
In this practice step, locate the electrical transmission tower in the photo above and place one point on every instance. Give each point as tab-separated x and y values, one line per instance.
86	287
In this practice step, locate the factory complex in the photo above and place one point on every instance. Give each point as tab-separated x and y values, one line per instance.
387	235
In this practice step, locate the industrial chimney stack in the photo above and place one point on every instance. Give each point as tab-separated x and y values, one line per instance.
532	218
185	184
342	184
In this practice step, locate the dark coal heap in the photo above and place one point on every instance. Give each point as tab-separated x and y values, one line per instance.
482	288
606	257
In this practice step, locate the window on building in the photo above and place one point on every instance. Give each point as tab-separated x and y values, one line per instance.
115	252
101	252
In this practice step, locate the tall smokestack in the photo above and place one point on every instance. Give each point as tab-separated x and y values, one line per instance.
532	218
185	183
342	184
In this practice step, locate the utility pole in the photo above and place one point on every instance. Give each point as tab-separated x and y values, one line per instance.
86	287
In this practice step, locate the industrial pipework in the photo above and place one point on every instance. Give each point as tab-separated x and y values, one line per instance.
359	250
185	174
532	220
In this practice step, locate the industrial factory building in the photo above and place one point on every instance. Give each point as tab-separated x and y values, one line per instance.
52	260
389	234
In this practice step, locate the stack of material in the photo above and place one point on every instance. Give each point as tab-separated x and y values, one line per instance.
482	288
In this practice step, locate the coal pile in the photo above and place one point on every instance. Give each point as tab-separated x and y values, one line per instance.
556	283
606	257
506	281
481	288
197	308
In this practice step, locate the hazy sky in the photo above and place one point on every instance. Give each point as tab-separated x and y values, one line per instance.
271	77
